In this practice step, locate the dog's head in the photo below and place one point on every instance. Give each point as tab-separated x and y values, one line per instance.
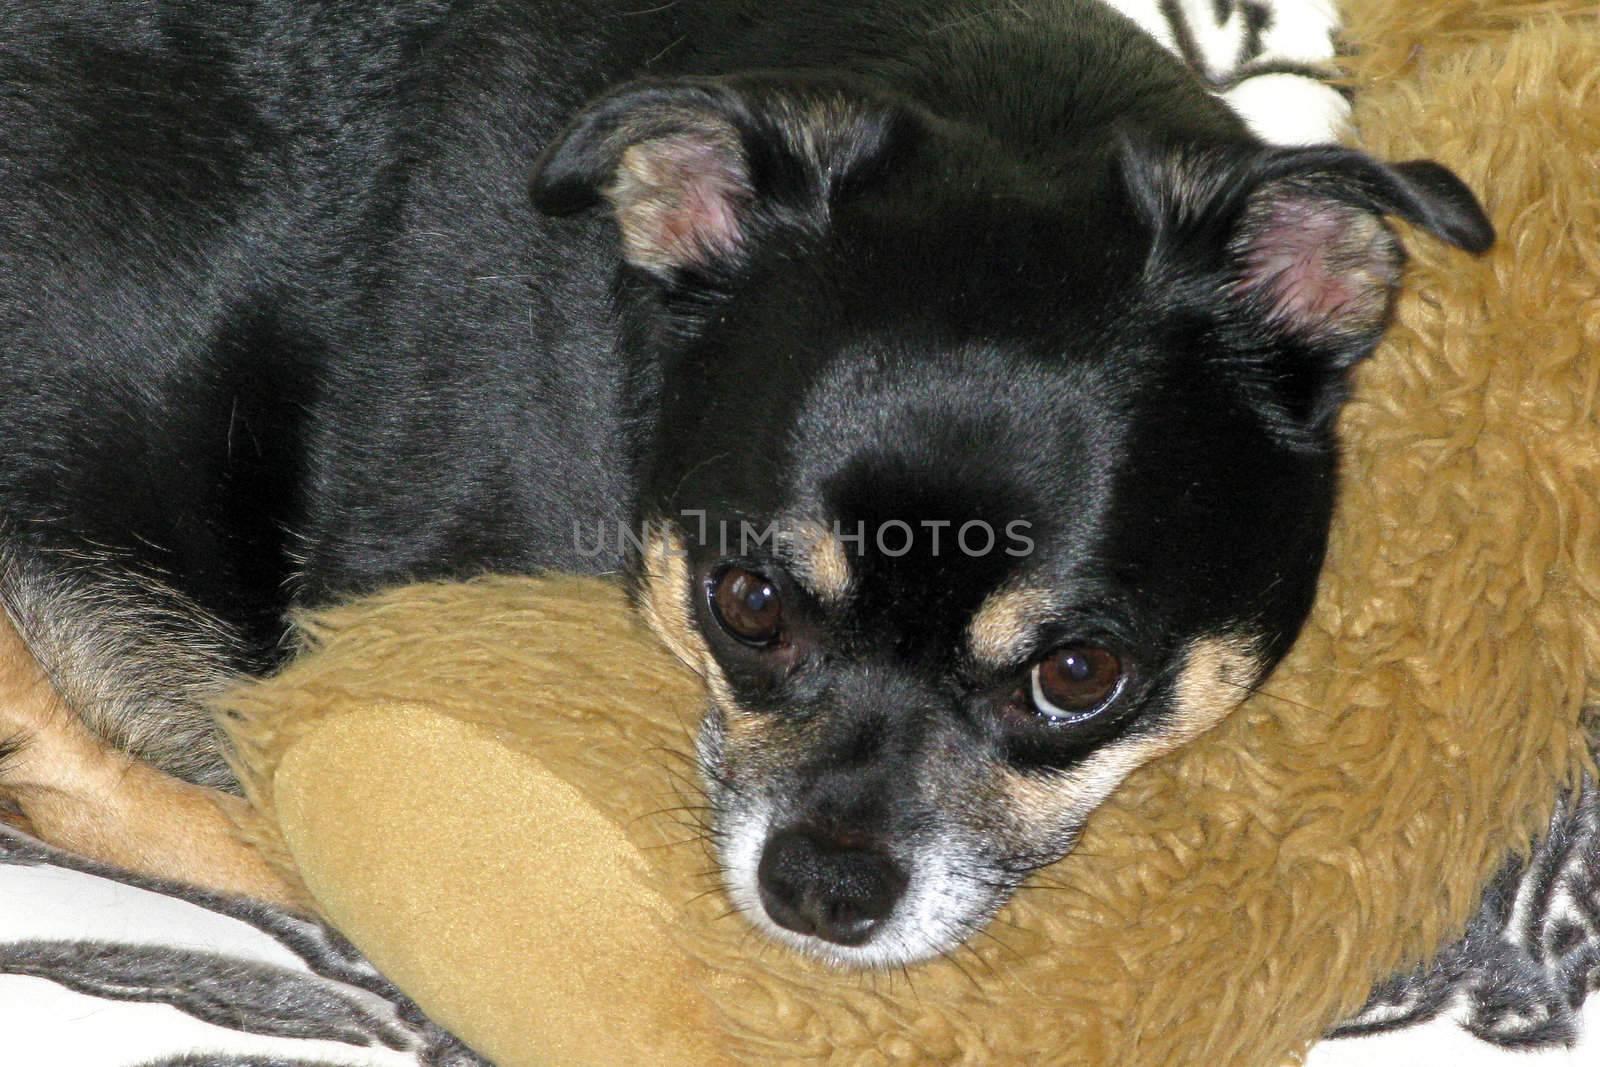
978	477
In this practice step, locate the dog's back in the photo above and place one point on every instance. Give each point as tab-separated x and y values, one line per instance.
276	323
274	301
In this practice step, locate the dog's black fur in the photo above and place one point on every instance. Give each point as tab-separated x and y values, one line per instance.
301	298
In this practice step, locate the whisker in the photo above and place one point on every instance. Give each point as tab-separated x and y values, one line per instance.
1256	690
702	895
698	829
696	839
675	810
949	956
1042	888
1007	948
663	750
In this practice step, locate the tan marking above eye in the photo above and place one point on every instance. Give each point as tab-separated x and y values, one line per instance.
1003	630
816	558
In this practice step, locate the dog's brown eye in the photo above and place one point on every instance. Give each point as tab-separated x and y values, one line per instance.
1075	681
747	605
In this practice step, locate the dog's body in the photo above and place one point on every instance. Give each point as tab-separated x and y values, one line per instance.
281	323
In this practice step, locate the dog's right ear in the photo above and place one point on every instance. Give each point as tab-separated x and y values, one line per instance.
695	168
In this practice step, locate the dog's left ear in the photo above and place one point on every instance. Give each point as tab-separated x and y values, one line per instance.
1290	246
696	169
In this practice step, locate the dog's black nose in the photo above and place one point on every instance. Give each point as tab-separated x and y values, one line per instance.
814	884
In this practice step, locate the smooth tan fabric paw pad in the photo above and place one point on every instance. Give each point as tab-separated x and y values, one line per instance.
562	958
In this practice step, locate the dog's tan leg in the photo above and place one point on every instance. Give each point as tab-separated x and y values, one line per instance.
82	796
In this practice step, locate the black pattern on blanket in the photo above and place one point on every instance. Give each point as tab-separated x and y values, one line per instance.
1529	959
338	997
1267	59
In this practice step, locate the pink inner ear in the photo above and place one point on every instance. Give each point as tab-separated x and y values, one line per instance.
678	199
1321	268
